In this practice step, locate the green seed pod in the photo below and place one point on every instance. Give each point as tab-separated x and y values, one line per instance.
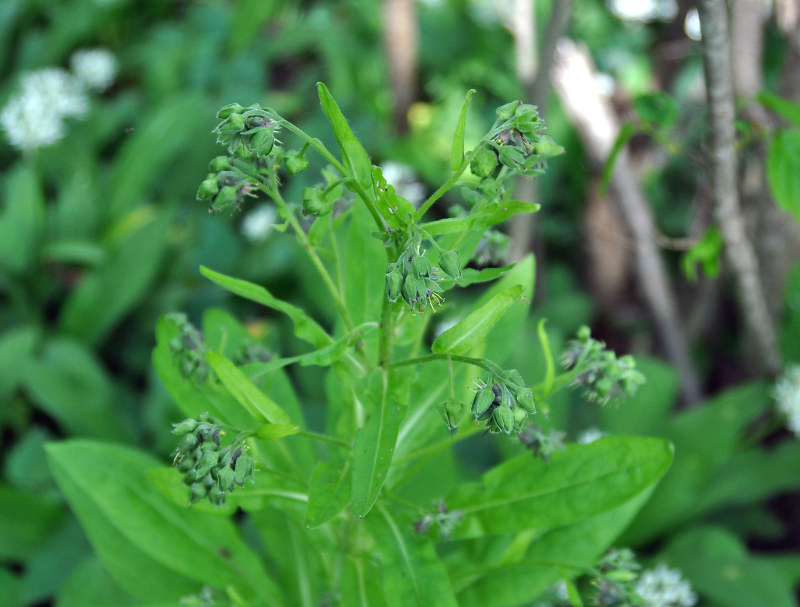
409	290
207	461
525	400
484	162
226	196
197	492
262	142
233	124
421	266
452	411
450	264
394	284
295	162
245	469
506	397
507	111
209	480
188	443
226	478
220	163
504	418
216	496
482	401
185	465
520	417
184	427
229	109
208	189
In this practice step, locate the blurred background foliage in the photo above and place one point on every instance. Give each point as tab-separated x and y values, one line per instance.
100	235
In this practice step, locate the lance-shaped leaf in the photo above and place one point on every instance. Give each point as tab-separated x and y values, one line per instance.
374	443
782	174
153	548
457	151
353	154
495	213
305	327
476	326
413	575
245	391
329	492
582	481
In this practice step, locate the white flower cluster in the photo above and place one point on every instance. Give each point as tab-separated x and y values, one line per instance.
34	117
664	587
787	394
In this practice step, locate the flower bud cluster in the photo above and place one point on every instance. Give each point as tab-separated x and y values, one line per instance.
189	348
444	520
604	377
246	132
540	443
503	402
210	470
414	278
516	143
224	187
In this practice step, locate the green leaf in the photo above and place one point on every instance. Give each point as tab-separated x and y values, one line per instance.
495	213
787	109
169	482
133	528
476	326
22	220
16	352
361	583
329	492
27	520
115	287
412	572
353	155
582	481
457	151
305	327
374	443
783	171
625	133
69	383
243	390
719	567
10	589
276	431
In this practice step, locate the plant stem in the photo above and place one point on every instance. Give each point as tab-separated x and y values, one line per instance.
385	347
478	362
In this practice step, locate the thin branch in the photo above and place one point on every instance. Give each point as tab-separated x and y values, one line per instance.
739	251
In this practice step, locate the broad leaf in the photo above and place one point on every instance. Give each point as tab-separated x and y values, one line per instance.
582	481
27	520
353	155
244	391
457	150
374	443
305	327
783	171
133	528
787	109
495	213
476	326
21	220
329	492
413	576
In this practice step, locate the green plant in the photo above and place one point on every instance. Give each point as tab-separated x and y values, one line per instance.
374	509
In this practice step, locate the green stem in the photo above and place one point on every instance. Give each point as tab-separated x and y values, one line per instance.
478	362
324	438
385	346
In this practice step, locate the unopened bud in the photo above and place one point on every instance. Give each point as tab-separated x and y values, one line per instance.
208	189
452	411
450	264
220	163
262	142
484	162
184	427
394	284
229	109
503	417
482	401
295	162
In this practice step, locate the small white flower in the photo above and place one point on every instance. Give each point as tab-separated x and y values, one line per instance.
258	223
95	68
590	435
664	587
787	394
34	117
56	91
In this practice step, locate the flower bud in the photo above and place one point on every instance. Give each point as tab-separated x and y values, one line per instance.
525	400
207	461
507	111
295	162
216	496
482	401
421	266
511	157
503	417
262	142
197	492
394	284
233	124
185	465
314	202
484	162
226	478
245	469
520	417
220	163
184	427
226	196
450	265
208	189
242	151
452	411
229	109
409	290
176	345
